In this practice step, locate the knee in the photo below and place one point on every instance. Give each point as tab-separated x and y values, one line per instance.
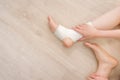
67	42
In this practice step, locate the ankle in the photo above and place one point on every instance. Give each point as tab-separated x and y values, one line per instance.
111	63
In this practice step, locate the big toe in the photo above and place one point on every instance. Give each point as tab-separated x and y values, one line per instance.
93	75
91	45
49	18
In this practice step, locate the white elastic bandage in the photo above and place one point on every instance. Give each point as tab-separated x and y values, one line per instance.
62	33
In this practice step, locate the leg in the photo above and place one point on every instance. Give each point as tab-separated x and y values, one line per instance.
105	62
67	42
108	20
101	25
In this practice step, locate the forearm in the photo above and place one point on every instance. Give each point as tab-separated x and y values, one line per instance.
108	33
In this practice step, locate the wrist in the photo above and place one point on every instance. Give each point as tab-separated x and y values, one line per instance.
98	33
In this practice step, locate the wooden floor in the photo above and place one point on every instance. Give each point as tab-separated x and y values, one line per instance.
29	51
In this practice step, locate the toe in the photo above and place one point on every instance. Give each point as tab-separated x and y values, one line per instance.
91	45
49	18
92	76
89	78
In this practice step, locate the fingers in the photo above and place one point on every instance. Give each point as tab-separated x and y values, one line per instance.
82	39
82	26
77	29
82	29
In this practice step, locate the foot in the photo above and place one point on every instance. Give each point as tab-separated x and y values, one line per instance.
52	24
106	61
67	42
94	76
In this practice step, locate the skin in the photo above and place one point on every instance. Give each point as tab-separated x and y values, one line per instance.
89	32
67	42
106	63
102	26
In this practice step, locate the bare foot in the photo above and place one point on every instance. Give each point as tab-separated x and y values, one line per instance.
105	61
52	24
67	42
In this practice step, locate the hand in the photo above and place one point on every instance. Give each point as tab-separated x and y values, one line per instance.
87	31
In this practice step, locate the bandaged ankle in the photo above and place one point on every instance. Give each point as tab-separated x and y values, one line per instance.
62	33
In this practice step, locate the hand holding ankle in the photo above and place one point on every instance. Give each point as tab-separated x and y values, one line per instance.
87	31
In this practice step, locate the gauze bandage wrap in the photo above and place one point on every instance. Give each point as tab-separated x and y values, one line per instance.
62	33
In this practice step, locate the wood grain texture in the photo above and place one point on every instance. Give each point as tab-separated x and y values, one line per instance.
29	51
